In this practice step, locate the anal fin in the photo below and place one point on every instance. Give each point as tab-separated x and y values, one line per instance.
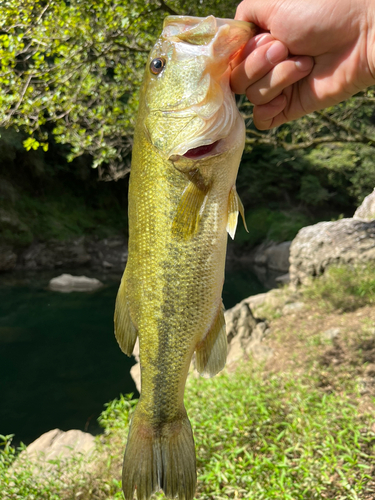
211	353
125	331
234	206
189	211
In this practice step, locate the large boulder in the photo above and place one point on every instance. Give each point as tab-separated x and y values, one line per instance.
366	211
345	241
57	444
54	447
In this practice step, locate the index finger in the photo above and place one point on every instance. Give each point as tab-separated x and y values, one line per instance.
258	12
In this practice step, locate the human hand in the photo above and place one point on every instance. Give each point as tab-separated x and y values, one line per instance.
333	47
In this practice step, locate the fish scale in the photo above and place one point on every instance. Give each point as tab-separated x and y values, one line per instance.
180	210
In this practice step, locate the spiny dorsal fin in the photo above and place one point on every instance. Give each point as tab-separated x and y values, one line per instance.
234	206
211	353
189	211
125	330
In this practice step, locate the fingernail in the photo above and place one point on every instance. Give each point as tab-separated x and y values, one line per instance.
263	39
304	64
277	52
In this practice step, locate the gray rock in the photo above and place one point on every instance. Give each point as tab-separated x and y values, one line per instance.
53	254
284	279
292	307
245	333
274	256
366	211
331	333
59	444
257	300
236	351
108	254
315	248
68	283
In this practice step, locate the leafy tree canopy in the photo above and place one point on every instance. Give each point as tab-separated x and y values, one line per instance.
73	69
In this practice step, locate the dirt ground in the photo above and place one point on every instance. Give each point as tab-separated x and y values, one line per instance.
337	347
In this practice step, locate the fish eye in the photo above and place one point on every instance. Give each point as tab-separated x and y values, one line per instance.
157	65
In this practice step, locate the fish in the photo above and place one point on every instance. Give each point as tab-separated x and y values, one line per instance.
188	142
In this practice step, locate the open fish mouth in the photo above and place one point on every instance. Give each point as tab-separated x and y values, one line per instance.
201	151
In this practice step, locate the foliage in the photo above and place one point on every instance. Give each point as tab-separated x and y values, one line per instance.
42	197
267	224
74	68
78	66
344	287
267	437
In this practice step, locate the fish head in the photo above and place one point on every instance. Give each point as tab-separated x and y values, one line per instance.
188	106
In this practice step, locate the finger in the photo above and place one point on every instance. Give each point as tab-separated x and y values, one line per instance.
257	64
271	114
283	75
254	43
257	11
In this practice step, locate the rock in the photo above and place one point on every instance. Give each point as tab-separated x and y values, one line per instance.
315	248
366	211
274	256
135	372
236	351
239	321
108	254
54	254
292	307
257	300
68	283
245	333
284	279
331	333
57	444
370	370
274	299
8	259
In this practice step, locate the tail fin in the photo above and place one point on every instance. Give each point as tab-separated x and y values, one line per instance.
160	458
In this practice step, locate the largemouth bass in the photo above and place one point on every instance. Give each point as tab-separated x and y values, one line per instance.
188	143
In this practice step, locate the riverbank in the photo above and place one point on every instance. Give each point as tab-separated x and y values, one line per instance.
262	429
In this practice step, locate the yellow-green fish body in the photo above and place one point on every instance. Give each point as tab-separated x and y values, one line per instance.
188	144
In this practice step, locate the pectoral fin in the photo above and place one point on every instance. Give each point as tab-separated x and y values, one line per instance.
211	353
125	330
234	206
189	211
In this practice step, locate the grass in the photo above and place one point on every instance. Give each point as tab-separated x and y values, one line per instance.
345	288
257	436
